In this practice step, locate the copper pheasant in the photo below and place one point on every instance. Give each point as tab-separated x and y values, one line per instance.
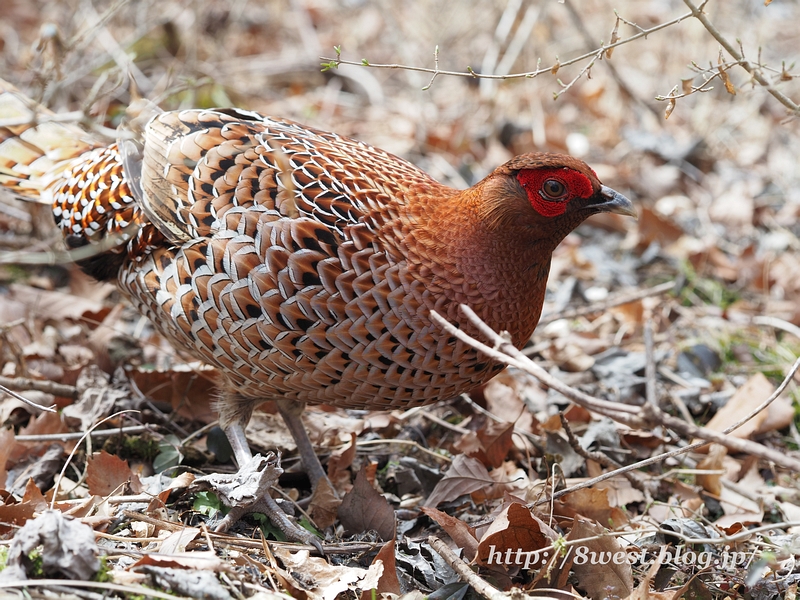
303	264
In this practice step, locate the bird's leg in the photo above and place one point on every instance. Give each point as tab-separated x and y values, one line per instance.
290	411
238	442
258	472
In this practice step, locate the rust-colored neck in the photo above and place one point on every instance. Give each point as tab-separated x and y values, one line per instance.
470	247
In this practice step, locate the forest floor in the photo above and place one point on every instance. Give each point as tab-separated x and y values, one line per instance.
687	320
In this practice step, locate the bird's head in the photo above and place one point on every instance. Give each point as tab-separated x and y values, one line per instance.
552	193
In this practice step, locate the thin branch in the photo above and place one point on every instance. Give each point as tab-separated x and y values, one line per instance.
697	13
31	403
95	433
604	460
466	574
23	384
63	257
334	62
646	417
617	300
522	362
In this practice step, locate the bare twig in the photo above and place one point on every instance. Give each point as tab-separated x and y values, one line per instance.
777	323
697	13
63	257
334	62
22	384
62	437
603	459
50	409
649	351
589	42
617	300
464	572
645	417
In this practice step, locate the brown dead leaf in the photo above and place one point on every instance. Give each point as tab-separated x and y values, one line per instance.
642	592
748	397
738	507
43	423
461	533
552	424
592	503
493	443
322	580
176	542
107	474
468	444
324	504
6	444
712	482
387	582
14	516
189	388
600	564
503	396
33	496
182	481
513	534
620	491
201	560
465	475
58	305
654	227
341	460
363	509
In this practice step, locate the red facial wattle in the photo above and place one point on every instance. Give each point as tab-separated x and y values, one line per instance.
576	185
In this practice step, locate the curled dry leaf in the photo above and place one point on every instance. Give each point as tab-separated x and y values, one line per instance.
341	460
324	504
746	399
591	503
490	445
201	559
712	482
68	548
316	579
461	533
387	582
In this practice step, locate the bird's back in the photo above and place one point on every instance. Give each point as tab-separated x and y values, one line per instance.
273	251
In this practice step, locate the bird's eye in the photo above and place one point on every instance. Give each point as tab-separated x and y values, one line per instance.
553	189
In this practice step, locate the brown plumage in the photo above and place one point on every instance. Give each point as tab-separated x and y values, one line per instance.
304	265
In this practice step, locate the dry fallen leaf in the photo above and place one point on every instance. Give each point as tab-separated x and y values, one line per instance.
490	445
461	533
591	503
599	562
465	475
514	534
746	399
107	474
388	582
712	482
363	509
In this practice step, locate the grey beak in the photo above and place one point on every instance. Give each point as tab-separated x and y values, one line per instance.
615	202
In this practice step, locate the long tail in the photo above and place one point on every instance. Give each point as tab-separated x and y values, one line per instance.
82	179
34	147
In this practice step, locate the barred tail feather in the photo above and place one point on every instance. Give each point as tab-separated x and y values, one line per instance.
83	180
33	147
